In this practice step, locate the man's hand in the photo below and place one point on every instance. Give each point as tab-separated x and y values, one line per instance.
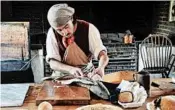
76	71
97	74
100	71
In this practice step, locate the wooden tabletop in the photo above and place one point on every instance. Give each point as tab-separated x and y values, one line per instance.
30	102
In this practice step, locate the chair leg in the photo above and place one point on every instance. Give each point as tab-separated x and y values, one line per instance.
166	74
163	75
172	64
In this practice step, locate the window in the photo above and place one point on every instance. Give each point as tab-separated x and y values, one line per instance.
172	11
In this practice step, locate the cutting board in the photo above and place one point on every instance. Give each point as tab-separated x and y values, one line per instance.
58	94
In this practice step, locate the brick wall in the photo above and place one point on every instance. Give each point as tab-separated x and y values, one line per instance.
29	11
161	25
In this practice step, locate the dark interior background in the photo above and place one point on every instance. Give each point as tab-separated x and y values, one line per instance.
140	17
114	16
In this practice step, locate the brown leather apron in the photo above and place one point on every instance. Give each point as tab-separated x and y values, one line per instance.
74	56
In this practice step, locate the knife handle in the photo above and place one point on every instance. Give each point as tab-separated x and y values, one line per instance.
154	84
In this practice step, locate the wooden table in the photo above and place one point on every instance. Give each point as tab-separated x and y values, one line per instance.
30	103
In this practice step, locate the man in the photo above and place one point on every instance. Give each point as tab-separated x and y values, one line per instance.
71	44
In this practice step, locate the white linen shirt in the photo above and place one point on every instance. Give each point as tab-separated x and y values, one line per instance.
95	44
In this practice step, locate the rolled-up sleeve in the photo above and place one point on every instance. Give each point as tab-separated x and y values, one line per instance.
95	42
52	49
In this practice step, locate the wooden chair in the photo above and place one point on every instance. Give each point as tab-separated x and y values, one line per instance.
156	51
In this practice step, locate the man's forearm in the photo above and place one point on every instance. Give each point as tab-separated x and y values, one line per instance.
103	59
58	66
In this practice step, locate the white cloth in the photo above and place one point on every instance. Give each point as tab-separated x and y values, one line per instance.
138	91
13	95
95	44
